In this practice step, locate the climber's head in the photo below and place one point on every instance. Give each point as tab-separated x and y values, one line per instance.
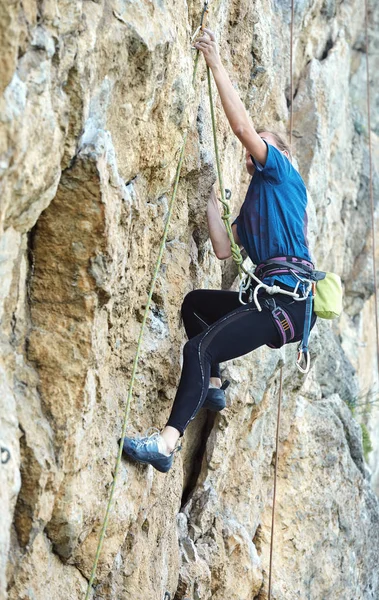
273	138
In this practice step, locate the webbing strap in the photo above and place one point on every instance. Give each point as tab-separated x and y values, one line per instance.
284	264
307	323
284	325
303	358
289	259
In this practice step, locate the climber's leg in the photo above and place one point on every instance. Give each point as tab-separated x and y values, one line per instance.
202	308
233	335
199	305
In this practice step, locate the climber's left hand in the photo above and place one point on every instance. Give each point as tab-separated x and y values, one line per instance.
208	46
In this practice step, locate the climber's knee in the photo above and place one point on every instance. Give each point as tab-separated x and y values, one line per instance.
190	348
188	303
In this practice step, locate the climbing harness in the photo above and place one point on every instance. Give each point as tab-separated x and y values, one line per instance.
5	455
142	329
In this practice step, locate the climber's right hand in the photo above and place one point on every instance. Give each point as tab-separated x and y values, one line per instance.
208	46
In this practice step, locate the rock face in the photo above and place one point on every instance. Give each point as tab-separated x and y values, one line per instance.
96	99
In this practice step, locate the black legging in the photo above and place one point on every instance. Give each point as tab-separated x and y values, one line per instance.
220	328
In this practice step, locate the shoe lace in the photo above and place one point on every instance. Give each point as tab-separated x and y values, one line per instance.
150	433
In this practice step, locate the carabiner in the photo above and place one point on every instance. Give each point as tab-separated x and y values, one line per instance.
244	286
300	356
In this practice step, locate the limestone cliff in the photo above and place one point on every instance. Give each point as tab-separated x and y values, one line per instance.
95	100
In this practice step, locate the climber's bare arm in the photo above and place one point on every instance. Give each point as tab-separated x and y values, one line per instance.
217	231
234	109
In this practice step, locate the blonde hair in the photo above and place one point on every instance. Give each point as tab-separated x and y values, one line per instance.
279	139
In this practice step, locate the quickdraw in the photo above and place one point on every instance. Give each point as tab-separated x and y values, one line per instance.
203	20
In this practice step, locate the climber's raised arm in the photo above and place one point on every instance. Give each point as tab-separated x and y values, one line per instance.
217	231
234	109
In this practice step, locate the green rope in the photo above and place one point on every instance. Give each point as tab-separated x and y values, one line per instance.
237	258
135	364
235	250
136	358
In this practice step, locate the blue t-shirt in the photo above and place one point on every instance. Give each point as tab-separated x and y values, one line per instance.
273	218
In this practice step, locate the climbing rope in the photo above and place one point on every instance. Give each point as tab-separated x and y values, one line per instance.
245	275
235	250
139	343
281	368
371	187
275	478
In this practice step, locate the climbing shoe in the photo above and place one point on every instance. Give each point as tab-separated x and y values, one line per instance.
216	399
148	450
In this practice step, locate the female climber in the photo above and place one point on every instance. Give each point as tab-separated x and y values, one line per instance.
271	223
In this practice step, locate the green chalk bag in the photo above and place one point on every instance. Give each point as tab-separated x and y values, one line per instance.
328	298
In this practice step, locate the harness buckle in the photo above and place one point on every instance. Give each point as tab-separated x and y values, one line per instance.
283	324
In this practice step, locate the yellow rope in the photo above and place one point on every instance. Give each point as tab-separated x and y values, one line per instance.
139	343
135	364
235	250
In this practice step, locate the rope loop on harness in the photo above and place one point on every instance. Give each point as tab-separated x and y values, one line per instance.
226	214
274	289
236	254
